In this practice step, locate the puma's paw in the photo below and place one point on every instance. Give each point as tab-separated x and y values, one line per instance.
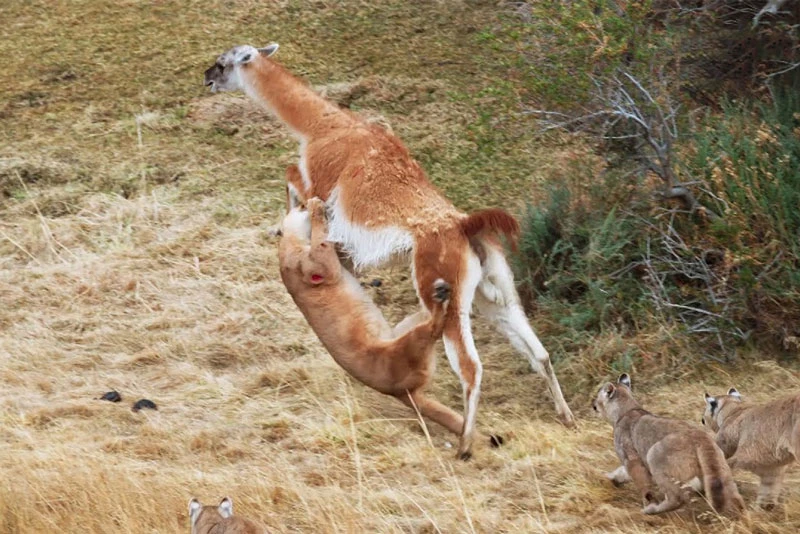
441	291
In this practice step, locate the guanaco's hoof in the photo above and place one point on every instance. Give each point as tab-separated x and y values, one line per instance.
495	440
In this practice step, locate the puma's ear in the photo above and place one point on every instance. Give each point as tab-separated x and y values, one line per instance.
269	50
225	508
194	510
625	380
712	403
735	394
610	390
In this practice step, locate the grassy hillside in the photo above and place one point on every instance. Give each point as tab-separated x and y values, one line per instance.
135	254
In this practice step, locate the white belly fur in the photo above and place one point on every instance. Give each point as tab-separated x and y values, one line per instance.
366	247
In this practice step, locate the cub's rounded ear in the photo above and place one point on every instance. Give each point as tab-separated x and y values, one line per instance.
194	510
269	50
734	393
225	507
625	380
610	389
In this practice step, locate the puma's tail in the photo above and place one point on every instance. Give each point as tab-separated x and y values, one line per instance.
718	483
494	220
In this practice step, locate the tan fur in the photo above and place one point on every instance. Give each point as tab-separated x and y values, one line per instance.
667	452
762	438
396	361
215	520
380	187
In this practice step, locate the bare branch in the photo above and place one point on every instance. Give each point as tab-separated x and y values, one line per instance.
624	100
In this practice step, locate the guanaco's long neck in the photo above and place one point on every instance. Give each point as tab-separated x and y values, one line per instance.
291	99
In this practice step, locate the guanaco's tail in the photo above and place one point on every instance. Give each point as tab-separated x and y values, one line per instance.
441	299
492	220
718	483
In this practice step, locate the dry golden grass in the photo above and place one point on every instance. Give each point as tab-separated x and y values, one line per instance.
135	255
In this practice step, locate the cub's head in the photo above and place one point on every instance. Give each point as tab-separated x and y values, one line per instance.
714	405
225	73
608	398
199	515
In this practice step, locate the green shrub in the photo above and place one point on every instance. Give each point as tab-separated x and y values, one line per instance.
613	257
750	159
574	259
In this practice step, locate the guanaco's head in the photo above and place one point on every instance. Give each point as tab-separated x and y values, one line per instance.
714	406
202	517
226	73
614	398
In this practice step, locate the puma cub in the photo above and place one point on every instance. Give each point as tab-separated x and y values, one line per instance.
671	453
762	438
219	519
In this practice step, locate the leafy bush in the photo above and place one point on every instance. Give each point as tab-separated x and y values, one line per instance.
574	259
599	257
750	158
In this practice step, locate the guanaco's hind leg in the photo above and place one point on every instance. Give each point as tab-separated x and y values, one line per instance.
498	301
461	352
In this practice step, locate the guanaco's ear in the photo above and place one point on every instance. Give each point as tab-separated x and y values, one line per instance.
244	54
269	50
733	392
625	380
194	510
225	507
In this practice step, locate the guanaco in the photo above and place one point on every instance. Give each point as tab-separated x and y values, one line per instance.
381	206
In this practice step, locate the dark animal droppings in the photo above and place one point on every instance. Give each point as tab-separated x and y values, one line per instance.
376	282
144	403
111	396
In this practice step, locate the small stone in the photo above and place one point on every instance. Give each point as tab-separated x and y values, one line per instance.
144	403
111	396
